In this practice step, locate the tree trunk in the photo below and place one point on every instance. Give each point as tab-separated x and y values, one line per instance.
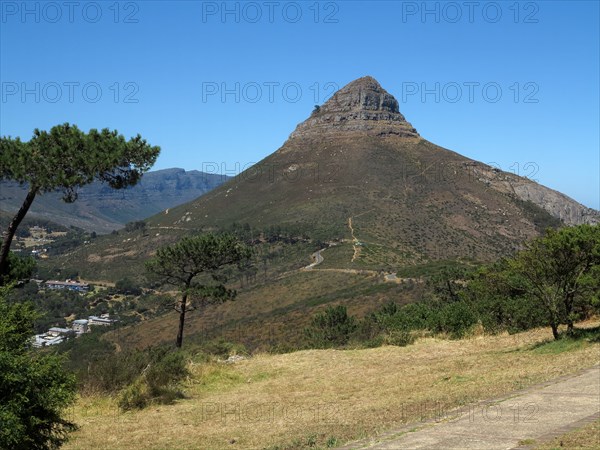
570	329
9	234
555	331
453	295
569	299
181	321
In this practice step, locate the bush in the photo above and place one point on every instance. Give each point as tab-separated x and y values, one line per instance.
128	287
35	390
414	316
455	318
400	338
158	381
500	300
19	268
167	367
222	348
134	226
331	328
134	396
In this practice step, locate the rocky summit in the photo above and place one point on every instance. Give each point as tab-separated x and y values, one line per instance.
361	106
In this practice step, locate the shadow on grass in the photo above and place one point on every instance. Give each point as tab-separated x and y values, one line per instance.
589	334
579	338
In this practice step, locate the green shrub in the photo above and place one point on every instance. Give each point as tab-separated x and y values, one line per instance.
500	300
399	338
331	328
134	396
35	390
166	368
414	316
128	287
134	226
455	318
158	381
223	348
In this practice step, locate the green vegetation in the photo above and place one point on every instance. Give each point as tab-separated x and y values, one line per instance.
128	287
207	254
65	159
19	268
135	226
541	218
158	381
561	271
34	388
137	377
555	280
331	328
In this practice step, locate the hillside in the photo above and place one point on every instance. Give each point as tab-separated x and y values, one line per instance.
102	209
357	169
357	181
356	173
31	220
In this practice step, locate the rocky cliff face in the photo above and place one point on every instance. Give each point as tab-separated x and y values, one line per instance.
361	106
555	203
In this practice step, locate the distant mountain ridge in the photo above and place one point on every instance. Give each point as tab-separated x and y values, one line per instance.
102	209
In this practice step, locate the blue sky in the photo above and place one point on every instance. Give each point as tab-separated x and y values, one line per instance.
510	83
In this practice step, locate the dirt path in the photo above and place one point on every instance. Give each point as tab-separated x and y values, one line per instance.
355	241
317	259
516	421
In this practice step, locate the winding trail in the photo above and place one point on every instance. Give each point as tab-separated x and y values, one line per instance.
317	259
355	241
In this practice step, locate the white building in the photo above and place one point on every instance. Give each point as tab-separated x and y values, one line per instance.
68	284
104	320
80	326
53	336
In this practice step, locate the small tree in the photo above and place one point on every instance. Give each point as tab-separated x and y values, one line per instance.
331	328
18	268
34	387
128	287
64	159
562	269
181	265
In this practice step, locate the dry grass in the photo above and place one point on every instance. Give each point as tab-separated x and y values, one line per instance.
269	313
295	400
586	437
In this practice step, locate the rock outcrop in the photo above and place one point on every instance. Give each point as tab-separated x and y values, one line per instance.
557	204
361	106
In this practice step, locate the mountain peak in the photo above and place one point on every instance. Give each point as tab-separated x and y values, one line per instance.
360	106
363	94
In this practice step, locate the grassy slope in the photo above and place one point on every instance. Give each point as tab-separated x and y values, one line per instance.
410	202
271	313
319	396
